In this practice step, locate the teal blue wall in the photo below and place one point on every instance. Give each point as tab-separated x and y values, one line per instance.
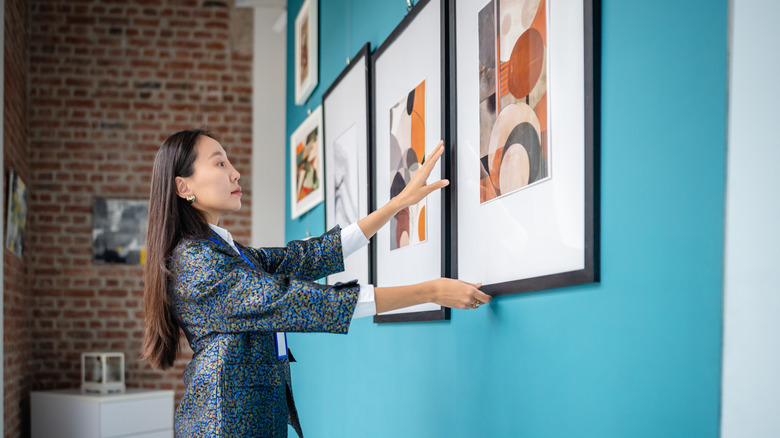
637	355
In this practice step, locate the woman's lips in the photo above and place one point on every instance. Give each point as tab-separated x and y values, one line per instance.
236	191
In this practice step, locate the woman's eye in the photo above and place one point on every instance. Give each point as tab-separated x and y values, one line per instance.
221	163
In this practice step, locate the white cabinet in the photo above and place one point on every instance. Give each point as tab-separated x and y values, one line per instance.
135	413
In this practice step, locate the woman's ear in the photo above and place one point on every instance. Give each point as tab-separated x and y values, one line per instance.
182	189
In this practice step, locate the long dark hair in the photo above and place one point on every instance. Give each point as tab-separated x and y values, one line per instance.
171	218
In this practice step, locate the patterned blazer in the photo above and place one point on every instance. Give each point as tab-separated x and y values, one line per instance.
230	307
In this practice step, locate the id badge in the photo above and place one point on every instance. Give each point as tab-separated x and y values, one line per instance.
281	345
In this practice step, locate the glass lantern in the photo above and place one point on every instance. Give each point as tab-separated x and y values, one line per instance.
102	372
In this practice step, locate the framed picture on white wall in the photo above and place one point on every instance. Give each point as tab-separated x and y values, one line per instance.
119	231
346	117
409	119
306	50
16	215
525	199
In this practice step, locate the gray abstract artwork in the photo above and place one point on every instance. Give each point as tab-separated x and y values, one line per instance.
345	178
119	231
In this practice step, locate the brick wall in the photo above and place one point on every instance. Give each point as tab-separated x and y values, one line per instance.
109	81
17	296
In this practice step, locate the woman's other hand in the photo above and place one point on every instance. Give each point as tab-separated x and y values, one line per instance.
442	291
457	294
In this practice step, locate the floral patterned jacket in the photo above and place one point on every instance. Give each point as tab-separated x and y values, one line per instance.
230	305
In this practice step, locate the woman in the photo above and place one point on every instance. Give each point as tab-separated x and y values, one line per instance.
234	303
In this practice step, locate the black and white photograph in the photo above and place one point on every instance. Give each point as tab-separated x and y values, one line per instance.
119	231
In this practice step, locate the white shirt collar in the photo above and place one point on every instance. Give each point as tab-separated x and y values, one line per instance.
225	235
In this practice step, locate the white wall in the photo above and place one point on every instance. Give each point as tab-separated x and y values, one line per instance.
269	110
751	351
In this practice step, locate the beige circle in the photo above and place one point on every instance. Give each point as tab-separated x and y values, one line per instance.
515	169
404	239
509	117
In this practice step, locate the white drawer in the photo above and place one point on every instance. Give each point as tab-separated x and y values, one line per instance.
71	414
136	416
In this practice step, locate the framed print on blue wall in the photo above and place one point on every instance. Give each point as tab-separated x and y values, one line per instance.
346	108
306	50
524	200
409	120
306	165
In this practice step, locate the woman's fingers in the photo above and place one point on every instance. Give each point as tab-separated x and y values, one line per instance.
418	188
474	297
430	188
459	294
433	157
481	296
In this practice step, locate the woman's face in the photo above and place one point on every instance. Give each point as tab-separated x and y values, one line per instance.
214	181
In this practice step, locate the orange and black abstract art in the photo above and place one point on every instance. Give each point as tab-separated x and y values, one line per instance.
306	165
513	99
407	154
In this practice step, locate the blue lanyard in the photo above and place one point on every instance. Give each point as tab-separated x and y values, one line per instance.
237	249
280	338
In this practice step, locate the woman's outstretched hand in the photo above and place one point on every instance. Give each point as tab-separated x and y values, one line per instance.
414	192
418	188
457	294
445	292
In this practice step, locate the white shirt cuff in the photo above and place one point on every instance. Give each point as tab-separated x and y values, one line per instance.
366	305
352	239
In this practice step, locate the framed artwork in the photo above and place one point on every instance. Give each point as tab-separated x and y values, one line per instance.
306	50
16	216
525	201
306	164
409	120
346	116
119	231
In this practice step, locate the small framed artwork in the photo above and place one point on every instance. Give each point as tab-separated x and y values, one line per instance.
525	201
306	189
409	121
119	231
306	50
16	216
346	113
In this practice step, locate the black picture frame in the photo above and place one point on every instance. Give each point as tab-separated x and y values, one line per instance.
447	236
589	272
346	88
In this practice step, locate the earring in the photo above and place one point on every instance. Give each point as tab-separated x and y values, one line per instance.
191	199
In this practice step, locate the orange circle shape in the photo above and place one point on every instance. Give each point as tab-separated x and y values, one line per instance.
525	63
